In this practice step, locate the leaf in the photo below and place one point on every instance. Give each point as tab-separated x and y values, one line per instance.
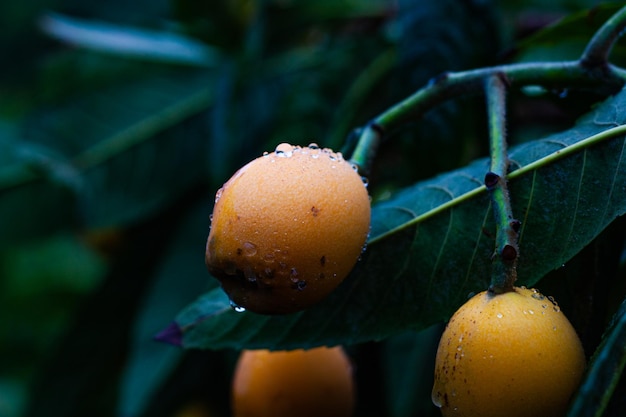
129	41
137	146
604	370
32	177
431	245
409	393
150	364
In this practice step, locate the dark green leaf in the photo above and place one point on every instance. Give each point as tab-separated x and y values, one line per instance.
129	41
127	142
182	274
409	393
604	371
32	177
431	244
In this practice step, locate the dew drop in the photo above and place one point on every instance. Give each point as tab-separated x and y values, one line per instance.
250	275
266	153
531	312
284	150
537	295
237	307
230	269
313	145
436	398
249	249
218	194
499	315
366	182
294	275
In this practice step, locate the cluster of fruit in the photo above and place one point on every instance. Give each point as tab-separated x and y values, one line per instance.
286	230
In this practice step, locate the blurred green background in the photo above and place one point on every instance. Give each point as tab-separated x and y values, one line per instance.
119	120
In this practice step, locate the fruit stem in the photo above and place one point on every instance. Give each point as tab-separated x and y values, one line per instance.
504	272
366	147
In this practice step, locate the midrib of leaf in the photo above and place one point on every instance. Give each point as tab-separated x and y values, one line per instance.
143	130
131	136
526	169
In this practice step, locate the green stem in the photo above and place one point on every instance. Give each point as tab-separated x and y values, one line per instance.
504	273
366	147
591	71
597	52
556	75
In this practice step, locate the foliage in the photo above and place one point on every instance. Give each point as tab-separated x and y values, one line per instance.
118	121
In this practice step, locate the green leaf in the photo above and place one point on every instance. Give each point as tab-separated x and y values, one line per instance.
126	143
129	41
431	245
604	371
180	277
33	177
409	393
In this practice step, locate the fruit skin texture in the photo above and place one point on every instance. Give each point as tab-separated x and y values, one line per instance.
303	383
287	228
513	354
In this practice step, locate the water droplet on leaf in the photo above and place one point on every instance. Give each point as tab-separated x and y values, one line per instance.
237	307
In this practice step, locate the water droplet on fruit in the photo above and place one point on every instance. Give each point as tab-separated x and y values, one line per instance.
250	275
313	145
436	398
249	249
237	307
294	275
266	153
230	269
537	295
499	315
218	194
284	150
366	182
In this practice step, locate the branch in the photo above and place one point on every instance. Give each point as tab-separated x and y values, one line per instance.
582	74
504	273
596	54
